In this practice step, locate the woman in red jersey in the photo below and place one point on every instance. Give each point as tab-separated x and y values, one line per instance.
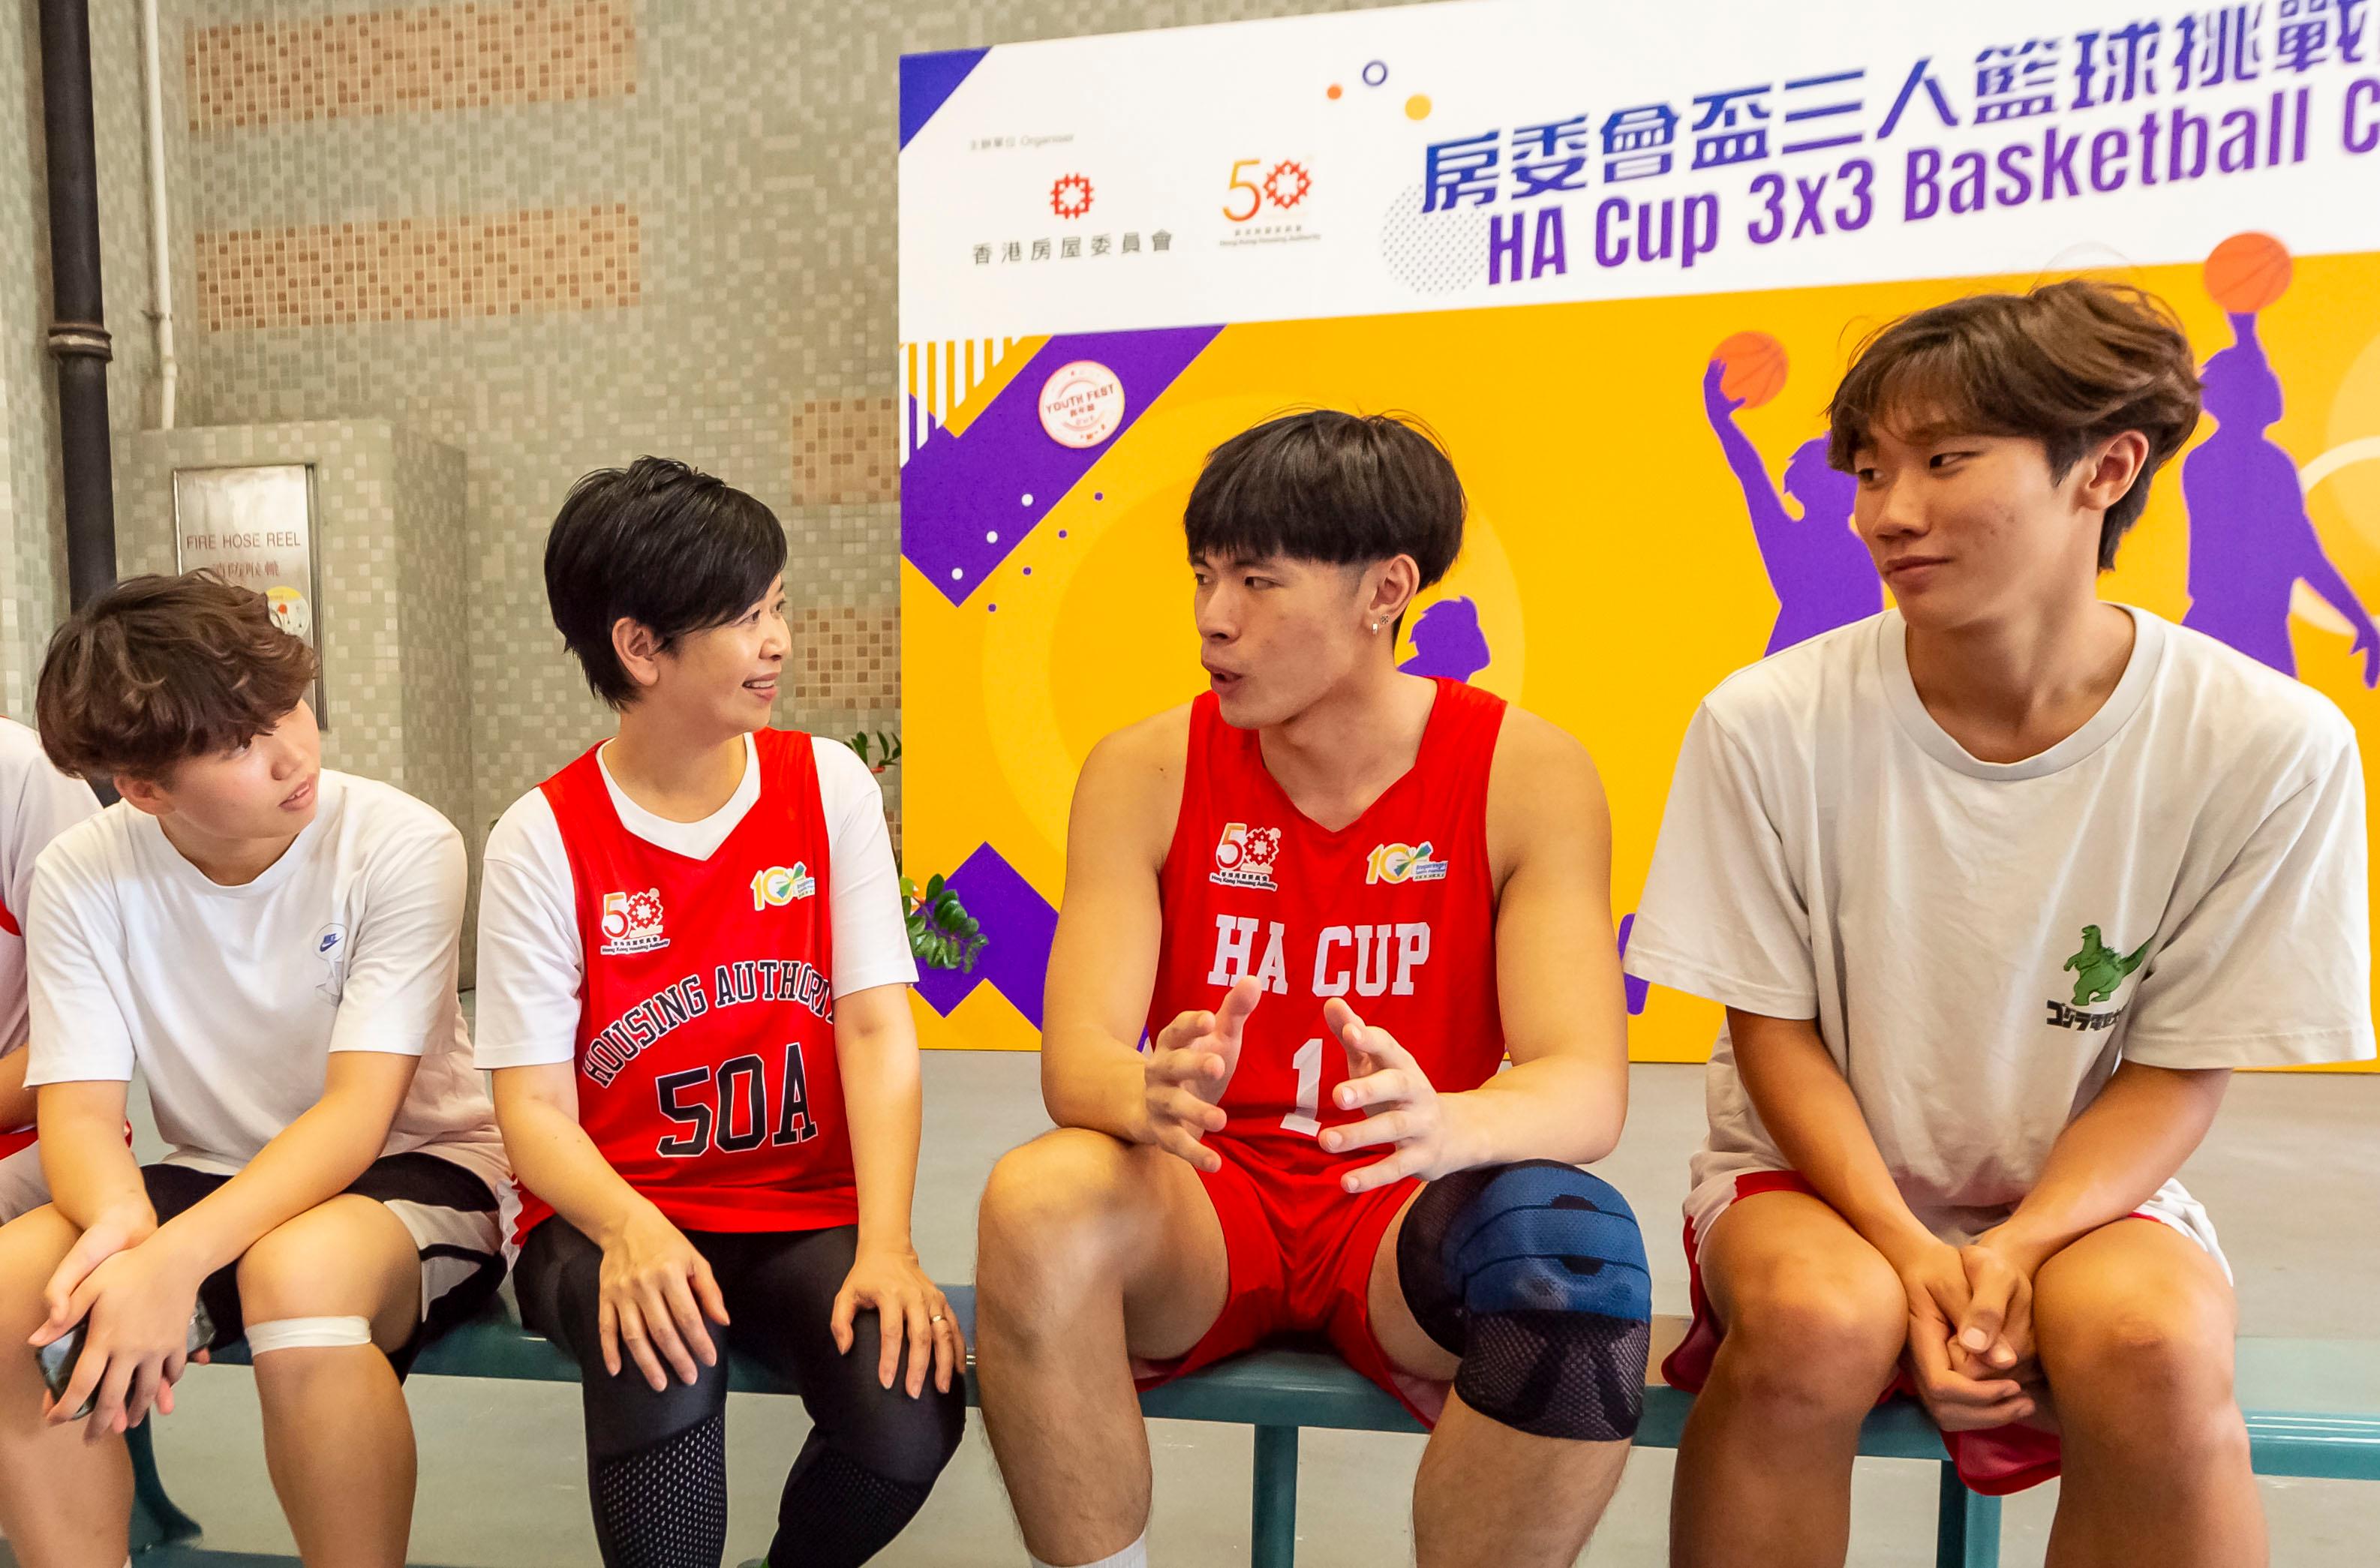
693	994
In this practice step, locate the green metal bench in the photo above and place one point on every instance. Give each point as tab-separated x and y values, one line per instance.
2314	1410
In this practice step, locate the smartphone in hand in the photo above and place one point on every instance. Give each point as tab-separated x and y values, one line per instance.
57	1358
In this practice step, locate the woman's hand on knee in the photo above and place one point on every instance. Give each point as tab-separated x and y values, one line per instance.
656	1292
910	1308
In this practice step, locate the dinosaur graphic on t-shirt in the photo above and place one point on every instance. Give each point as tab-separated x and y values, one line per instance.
2100	969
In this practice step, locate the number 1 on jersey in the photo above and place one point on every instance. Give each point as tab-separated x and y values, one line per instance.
1308	1062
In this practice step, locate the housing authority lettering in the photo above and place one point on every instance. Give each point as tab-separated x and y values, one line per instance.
753	979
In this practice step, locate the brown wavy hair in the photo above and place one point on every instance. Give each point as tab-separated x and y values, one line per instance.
2068	364
160	669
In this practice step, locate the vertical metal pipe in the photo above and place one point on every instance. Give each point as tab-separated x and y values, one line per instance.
78	327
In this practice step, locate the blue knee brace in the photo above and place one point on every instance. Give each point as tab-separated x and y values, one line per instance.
1535	1275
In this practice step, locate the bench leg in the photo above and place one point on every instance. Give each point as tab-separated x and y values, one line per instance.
155	1520
1272	1537
1967	1529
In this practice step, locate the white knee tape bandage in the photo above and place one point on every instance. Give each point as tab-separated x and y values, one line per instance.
307	1333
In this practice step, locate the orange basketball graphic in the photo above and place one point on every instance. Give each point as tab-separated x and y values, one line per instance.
2248	272
1755	367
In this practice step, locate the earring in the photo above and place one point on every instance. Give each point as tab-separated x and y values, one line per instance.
1376	625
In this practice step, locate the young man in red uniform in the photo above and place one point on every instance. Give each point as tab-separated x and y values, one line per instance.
693	993
1334	897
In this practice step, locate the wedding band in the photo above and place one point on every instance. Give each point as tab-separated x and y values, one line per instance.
935	1318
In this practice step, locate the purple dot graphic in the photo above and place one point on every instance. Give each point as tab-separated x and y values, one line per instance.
1098	496
1062	533
1029	571
991	606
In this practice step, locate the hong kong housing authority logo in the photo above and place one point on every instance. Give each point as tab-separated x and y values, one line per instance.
632	922
1245	855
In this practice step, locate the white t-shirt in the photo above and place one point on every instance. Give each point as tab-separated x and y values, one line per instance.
531	963
230	1000
2180	882
36	803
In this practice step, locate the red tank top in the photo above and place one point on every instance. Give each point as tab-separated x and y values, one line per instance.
1396	911
707	1071
18	1138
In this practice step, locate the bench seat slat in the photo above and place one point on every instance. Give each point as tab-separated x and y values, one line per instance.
2313	1405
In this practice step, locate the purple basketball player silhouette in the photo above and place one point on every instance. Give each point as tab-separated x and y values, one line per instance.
1447	641
2250	542
1820	572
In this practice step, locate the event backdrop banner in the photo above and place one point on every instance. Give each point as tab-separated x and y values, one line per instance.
1616	257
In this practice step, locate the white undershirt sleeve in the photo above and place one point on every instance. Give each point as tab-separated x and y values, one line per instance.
871	937
531	967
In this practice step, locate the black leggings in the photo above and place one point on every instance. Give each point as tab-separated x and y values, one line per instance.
656	1463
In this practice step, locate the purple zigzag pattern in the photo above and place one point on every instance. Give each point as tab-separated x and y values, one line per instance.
1019	924
1638	990
962	497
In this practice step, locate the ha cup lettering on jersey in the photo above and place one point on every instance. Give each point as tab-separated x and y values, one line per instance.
1366	960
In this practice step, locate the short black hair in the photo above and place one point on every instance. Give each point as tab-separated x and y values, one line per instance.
1346	488
665	545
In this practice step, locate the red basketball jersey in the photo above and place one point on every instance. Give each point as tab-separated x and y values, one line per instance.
14	1139
707	1070
1396	911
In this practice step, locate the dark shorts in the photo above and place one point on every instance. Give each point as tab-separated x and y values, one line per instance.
450	1213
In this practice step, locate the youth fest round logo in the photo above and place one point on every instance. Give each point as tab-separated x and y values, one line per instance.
1082	404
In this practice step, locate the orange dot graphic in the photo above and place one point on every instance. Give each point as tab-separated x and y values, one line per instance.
1417	106
1333	90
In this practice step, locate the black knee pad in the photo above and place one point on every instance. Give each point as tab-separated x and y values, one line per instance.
1535	1275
